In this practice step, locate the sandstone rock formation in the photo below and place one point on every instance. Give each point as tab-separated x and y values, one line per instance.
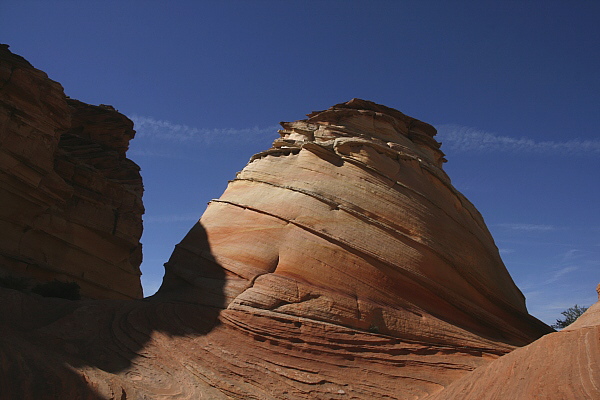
71	200
349	219
563	365
339	264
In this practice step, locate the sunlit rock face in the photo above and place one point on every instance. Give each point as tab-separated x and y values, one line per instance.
71	202
562	365
349	219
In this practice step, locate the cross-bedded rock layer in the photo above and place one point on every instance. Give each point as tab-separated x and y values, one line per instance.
339	264
71	200
349	219
563	365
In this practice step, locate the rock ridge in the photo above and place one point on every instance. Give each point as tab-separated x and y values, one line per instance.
72	201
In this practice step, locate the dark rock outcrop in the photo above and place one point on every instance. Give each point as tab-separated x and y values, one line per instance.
71	200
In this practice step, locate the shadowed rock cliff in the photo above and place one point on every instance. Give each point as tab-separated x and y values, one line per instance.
71	200
339	264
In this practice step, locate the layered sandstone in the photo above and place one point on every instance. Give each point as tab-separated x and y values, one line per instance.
349	219
346	244
339	264
563	365
71	200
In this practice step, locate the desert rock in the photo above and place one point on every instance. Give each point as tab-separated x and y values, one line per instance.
562	365
349	219
71	200
339	264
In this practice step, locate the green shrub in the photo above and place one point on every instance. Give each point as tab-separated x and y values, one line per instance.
571	314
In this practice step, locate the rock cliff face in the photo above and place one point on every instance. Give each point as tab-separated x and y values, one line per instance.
71	200
349	219
339	264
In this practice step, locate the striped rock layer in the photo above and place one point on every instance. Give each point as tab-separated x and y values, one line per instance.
70	201
339	264
563	365
349	219
346	264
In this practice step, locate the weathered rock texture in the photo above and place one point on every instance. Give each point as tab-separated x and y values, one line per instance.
349	219
339	264
563	365
347	238
71	201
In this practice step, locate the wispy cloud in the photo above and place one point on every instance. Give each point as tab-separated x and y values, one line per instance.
536	284
172	218
505	251
569	280
148	127
463	138
556	274
527	227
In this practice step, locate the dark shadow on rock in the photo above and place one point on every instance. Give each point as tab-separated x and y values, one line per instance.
44	340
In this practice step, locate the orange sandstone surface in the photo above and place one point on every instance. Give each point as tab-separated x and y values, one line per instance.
349	219
339	264
563	365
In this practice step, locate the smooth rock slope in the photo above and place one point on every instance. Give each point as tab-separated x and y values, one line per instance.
563	365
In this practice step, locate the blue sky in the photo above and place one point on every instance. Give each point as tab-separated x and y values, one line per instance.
512	86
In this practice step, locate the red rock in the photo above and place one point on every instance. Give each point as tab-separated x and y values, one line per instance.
563	365
340	263
71	200
349	219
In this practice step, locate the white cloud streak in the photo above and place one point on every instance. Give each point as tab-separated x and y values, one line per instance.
505	251
151	153
148	127
467	139
527	227
558	273
571	280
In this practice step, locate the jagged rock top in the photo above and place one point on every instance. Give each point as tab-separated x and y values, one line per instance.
4	48
102	124
365	105
361	121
